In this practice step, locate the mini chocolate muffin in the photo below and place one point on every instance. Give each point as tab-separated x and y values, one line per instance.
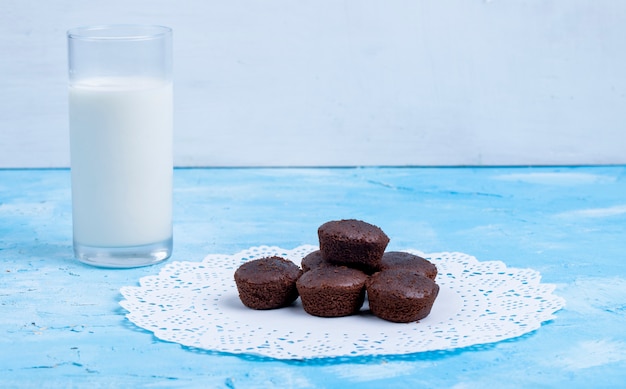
401	296
402	260
267	283
313	261
332	291
352	243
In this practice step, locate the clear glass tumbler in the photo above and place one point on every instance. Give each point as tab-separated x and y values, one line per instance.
121	130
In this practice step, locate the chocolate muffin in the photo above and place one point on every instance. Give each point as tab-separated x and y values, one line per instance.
352	243
401	296
332	291
267	283
402	260
313	261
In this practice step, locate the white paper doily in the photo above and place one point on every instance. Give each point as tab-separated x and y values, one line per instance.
196	304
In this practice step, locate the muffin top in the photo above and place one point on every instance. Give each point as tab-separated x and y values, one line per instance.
332	276
353	230
402	283
268	269
313	260
402	260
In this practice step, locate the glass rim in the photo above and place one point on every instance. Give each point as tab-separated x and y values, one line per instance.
119	32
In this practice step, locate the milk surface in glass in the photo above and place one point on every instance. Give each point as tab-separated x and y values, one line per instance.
121	156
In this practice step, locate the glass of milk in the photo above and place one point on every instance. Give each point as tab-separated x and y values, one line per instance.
120	105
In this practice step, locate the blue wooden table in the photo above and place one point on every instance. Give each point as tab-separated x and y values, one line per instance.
62	326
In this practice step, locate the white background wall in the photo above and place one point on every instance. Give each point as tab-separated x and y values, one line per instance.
345	82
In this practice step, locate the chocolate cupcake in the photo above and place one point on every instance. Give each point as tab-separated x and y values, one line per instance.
352	243
408	261
400	295
313	261
332	291
267	283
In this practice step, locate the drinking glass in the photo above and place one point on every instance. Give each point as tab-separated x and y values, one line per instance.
121	129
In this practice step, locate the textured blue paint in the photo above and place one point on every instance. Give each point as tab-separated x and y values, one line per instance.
62	326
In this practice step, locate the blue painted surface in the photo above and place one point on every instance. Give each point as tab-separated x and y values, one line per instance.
62	326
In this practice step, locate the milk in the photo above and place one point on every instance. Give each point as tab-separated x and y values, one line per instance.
121	161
